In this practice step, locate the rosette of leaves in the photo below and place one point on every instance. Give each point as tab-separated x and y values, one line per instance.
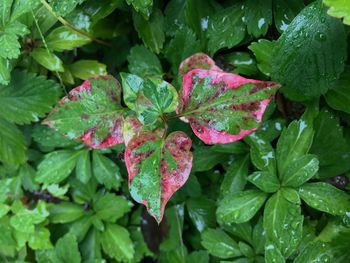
220	107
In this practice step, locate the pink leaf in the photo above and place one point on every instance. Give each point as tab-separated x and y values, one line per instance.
157	168
223	107
91	113
197	61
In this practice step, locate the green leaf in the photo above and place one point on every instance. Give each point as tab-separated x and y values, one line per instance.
83	169
13	147
235	176
111	207
64	38
183	45
198	256
329	145
62	8
106	171
203	161
151	31
309	56
57	166
90	247
242	62
155	98
7	241
339	97
240	207
157	168
284	12
261	153
265	181
258	16
27	97
4	209
25	220
202	212
339	9
65	212
47	137
326	198
91	113
300	171
226	29
85	69
67	249
273	254
116	243
47	59
283	223
262	51
40	239
5	70
142	6
10	47
132	85
143	62
315	252
219	244
294	142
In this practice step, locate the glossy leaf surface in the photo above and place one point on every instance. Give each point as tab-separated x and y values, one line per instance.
223	107
157	168
91	113
309	56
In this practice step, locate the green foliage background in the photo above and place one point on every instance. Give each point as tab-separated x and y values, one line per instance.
279	195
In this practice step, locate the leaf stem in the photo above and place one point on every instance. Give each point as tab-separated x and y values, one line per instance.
67	24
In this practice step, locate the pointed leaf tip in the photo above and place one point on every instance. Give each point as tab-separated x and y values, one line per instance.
223	107
91	113
157	168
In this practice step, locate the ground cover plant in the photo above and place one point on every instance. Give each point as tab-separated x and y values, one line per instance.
174	131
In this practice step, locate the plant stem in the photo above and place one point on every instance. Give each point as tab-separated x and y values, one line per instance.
67	24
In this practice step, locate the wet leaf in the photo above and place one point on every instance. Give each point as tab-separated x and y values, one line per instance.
142	6
284	12
258	16
27	97
309	56
326	198
262	51
223	107
85	69
300	171
196	61
64	38
283	223
226	29
157	168
240	207
202	213
143	62
91	113
265	181
47	59
219	244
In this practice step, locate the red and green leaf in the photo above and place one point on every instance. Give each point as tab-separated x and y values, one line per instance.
157	168
223	107
91	113
197	61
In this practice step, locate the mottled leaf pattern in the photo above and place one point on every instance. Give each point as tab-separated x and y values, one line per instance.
196	61
223	107
91	113
157	168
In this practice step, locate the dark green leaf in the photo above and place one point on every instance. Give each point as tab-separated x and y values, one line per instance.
262	51
111	207
315	252
258	16
219	244
106	171
62	8
116	243
265	181
326	198
67	249
300	170
283	223
65	212
151	31
142	6
202	213
226	29
309	56
27	97
144	63
284	12
13	147
57	166
240	207
83	170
